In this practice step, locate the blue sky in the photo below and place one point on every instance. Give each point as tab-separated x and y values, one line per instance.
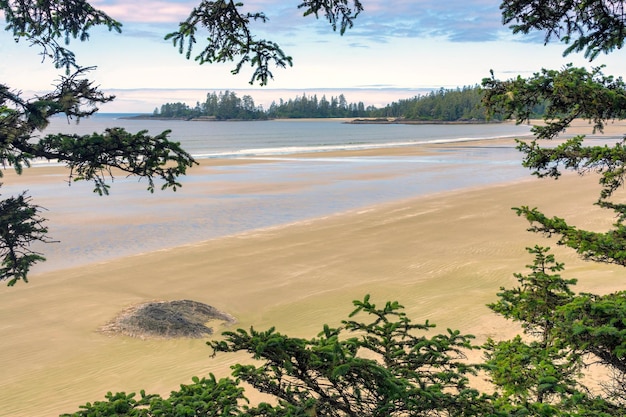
395	50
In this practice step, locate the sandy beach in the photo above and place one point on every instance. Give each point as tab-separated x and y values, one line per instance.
443	256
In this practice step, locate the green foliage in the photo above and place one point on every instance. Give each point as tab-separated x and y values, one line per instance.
539	370
227	105
588	325
43	23
570	93
90	157
313	107
118	404
94	157
223	106
204	397
541	374
461	104
51	25
384	366
540	293
567	94
593	26
230	38
443	105
527	372
605	160
336	11
596	324
606	247
20	225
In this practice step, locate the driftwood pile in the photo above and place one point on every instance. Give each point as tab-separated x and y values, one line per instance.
167	320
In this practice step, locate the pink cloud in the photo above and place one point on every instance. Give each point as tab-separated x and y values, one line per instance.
146	11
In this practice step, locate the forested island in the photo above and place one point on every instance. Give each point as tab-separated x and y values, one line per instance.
461	105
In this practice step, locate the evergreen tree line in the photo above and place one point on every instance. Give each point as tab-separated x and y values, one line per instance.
449	105
223	106
318	108
442	105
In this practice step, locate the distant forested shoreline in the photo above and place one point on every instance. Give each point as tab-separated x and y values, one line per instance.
460	105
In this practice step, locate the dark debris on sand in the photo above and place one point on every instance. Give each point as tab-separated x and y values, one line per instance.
167	320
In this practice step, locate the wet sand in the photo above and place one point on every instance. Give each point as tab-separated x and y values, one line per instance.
443	256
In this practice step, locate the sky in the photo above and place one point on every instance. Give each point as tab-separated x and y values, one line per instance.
395	50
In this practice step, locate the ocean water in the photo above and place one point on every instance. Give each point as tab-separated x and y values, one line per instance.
229	139
231	199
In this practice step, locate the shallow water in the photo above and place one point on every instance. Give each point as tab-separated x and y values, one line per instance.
231	199
226	200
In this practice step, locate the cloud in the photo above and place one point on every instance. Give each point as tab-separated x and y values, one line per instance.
453	20
358	45
381	21
146	11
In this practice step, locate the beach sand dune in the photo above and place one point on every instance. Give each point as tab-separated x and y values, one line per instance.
443	256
